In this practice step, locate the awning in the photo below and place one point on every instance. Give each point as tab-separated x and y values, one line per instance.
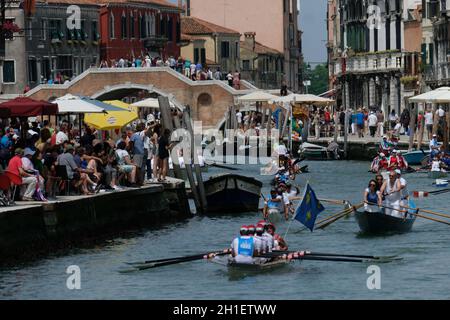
112	119
149	103
74	104
26	107
440	95
257	96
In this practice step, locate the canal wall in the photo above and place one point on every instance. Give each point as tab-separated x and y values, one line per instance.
29	228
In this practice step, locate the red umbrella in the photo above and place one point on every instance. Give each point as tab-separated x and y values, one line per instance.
26	107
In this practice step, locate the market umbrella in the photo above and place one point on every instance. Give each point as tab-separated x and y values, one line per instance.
74	104
149	103
26	107
112	119
303	99
257	96
439	95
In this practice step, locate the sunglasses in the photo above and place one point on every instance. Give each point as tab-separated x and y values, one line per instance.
373	185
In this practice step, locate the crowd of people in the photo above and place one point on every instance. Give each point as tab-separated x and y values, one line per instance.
50	160
192	70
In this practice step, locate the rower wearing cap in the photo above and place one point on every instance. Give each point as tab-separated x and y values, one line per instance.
243	247
262	246
393	161
278	241
404	189
434	146
383	163
385	145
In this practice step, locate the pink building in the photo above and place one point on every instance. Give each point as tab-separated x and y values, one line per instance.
275	23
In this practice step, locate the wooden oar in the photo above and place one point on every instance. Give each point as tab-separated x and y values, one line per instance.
342	215
309	253
416	214
315	258
223	167
195	256
427	211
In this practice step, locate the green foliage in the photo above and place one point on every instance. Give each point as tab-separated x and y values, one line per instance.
318	77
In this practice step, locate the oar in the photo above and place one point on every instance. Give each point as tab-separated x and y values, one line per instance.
417	214
342	215
152	265
223	167
195	256
428	211
316	258
309	253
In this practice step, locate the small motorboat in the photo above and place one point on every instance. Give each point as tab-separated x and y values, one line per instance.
232	193
415	157
314	152
441	183
375	223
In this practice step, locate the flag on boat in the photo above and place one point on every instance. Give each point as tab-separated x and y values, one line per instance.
309	209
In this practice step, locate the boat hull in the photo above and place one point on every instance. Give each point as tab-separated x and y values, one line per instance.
437	174
256	267
379	223
415	157
230	193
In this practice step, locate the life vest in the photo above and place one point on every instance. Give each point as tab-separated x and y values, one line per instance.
245	246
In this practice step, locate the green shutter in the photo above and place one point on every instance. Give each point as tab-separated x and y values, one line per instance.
431	50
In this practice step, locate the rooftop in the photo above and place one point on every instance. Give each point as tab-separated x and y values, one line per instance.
193	26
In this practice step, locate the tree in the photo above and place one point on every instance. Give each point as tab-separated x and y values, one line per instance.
318	77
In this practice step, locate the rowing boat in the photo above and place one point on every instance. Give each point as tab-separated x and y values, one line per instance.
376	223
233	266
437	174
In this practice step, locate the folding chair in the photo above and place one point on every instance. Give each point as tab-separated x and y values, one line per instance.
61	172
15	180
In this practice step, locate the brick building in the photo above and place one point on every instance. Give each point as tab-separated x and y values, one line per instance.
138	27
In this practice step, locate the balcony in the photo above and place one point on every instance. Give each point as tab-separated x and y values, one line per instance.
437	73
371	63
154	42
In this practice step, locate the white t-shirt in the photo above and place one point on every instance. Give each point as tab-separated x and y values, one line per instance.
282	150
404	184
286	198
239	116
428	118
440	112
373	120
122	154
61	137
397	127
435	166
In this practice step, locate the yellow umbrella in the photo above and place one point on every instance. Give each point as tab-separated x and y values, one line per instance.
112	119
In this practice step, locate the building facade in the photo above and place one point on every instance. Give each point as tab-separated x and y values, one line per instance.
136	28
210	44
370	65
435	46
58	46
13	63
275	23
260	65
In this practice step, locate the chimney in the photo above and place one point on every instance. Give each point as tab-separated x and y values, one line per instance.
250	39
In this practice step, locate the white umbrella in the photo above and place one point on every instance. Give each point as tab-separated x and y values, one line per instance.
257	96
440	95
149	103
74	104
303	98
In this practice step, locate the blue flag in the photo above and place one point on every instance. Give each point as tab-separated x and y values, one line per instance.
309	209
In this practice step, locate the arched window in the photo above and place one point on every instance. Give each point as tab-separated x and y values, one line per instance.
123	25
112	33
132	25
204	100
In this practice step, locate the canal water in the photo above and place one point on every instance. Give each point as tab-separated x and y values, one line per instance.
423	273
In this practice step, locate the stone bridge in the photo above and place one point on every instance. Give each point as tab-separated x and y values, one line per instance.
209	100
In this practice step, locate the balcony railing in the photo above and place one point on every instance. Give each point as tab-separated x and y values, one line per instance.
437	72
371	63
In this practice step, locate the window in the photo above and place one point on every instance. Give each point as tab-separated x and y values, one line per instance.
170	29
44	27
196	55
123	26
9	35
246	65
30	29
142	26
132	25
32	70
9	71
112	33
162	29
203	56
225	49
55	29
178	31
94	31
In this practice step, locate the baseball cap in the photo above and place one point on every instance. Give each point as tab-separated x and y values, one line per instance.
19	151
398	171
28	152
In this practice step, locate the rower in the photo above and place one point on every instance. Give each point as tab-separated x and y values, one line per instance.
243	247
267	236
371	197
404	189
260	241
393	161
274	201
391	190
380	180
279	243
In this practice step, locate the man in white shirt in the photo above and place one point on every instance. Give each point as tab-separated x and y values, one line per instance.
429	123
61	136
440	112
373	120
239	118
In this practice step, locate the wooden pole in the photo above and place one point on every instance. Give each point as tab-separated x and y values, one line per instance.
198	173
421	131
412	125
189	173
447	131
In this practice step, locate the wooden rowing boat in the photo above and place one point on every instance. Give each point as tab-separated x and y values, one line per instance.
232	193
233	266
377	223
